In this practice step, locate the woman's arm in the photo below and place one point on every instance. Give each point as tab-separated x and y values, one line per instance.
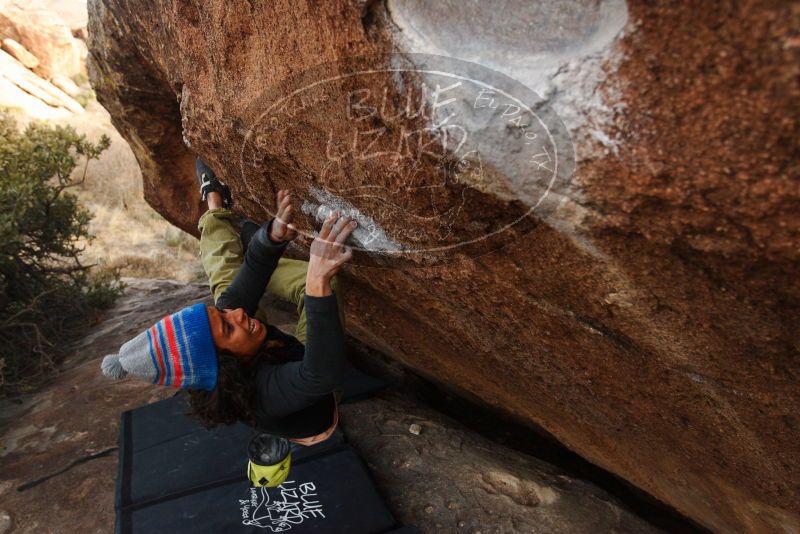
260	261
286	388
261	258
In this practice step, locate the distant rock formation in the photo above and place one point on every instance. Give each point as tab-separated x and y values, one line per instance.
20	53
13	71
646	313
39	55
44	34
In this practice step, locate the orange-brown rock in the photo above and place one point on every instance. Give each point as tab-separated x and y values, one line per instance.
648	317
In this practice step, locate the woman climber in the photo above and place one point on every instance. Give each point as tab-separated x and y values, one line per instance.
235	365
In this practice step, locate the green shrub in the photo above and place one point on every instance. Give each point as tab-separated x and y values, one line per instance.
47	296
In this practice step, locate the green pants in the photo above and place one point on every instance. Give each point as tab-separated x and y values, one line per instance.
221	254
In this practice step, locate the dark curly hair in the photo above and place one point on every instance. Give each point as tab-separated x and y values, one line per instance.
234	397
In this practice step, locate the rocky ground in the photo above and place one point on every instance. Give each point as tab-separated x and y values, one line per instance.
442	477
447	478
76	414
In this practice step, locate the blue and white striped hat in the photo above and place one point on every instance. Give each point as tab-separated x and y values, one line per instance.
177	351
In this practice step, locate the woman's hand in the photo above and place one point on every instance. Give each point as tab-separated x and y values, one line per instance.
282	227
328	254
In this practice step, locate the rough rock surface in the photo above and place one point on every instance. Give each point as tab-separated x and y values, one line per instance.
77	414
650	322
448	479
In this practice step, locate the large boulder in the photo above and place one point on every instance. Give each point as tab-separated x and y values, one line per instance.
643	309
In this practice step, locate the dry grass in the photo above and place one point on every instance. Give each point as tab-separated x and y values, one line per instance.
140	243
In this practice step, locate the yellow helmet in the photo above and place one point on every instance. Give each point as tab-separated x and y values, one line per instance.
270	460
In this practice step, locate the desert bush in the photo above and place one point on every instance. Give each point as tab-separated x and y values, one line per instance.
47	295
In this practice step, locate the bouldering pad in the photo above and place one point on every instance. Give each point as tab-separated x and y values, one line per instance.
332	493
163	450
176	476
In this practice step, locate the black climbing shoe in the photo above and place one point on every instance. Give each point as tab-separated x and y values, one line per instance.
210	183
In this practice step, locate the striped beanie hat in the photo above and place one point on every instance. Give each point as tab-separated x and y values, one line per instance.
177	351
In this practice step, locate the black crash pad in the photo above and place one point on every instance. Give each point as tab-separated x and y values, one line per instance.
164	421
164	451
331	493
153	436
176	476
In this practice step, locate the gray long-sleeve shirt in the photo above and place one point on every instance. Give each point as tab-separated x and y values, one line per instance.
294	399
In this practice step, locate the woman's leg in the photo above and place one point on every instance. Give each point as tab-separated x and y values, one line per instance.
220	249
288	282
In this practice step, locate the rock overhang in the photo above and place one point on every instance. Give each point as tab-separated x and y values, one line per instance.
655	307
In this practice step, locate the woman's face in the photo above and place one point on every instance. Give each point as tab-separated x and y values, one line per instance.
235	331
